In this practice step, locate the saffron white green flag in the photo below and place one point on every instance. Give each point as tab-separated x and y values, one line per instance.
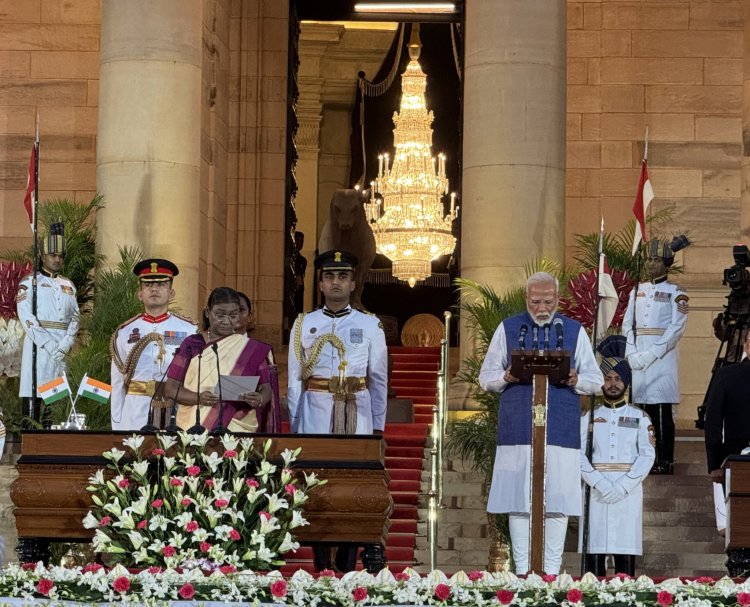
94	389
54	390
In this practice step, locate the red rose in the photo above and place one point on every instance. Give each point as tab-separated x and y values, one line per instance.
743	598
191	526
153	570
158	451
221	503
290	489
44	586
622	576
175	482
142	524
209	482
574	595
705	579
266	515
230	454
328	573
227	569
186	591
92	567
664	598
234	535
28	566
193	470
505	596
401	577
204	546
251	482
359	593
123	482
121	584
549	578
157	503
106	520
475	576
168	551
186	501
278	588
442	591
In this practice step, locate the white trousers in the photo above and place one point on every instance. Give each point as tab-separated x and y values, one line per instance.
555	528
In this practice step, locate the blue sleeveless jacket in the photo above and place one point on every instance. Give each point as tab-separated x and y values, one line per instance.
563	404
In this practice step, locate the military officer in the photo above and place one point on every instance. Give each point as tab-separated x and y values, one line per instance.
54	327
621	457
143	347
660	309
338	369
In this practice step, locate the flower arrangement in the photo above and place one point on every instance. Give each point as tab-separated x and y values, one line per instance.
193	503
95	584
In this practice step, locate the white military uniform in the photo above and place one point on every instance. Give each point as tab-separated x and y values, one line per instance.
157	338
623	453
660	323
53	328
365	354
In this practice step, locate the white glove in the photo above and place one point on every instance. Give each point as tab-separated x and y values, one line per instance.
58	355
616	494
51	347
602	488
640	361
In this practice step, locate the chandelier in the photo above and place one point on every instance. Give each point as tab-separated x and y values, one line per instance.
407	218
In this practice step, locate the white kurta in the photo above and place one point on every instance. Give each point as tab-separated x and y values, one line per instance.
366	355
509	491
660	323
621	436
130	411
54	327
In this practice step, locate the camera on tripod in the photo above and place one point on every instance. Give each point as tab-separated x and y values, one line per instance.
731	325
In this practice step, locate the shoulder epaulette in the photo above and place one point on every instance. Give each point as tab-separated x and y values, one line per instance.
126	323
183	317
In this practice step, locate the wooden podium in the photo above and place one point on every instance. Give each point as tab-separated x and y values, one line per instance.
539	368
737	491
51	500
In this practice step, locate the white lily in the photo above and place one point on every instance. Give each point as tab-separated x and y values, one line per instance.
288	456
136	539
90	521
134	442
114	454
230	442
97	478
288	544
298	520
276	503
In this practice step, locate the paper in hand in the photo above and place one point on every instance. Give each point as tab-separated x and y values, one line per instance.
234	386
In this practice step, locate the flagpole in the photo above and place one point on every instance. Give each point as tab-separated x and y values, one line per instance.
639	269
34	270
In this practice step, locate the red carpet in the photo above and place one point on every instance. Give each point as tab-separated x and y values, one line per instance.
413	376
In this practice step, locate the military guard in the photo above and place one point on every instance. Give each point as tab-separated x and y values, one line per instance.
338	368
621	457
660	309
55	325
143	347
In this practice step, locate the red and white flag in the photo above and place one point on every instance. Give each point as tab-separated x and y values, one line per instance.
608	299
643	198
30	198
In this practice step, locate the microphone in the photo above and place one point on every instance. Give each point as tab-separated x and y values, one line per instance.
150	427
546	336
559	329
198	427
220	429
172	426
534	337
522	336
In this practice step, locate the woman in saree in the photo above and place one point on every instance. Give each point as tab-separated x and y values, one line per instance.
193	375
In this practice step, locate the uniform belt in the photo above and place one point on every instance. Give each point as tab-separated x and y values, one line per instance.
52	324
143	388
644	331
612	467
331	384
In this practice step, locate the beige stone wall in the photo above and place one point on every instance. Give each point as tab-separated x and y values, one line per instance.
49	62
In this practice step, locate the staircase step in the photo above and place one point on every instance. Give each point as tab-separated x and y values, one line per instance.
404	451
396	440
405	366
414	429
416	391
404	381
659	546
405	475
408	513
402	486
422	418
403	526
399	463
679	504
421	350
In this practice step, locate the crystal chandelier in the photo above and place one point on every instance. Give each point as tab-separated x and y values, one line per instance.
409	223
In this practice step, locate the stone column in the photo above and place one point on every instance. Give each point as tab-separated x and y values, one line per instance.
148	148
745	192
513	207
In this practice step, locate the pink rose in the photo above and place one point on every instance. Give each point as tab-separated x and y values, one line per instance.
123	482
327	573
153	570
204	546
227	569
175	482
290	489
44	586
157	503
168	551
475	576
186	501
266	515
234	535
278	588
549	578
191	526
106	520
743	598
121	584
251	482
158	452
705	579
401	576
186	591
209	482
193	470
622	576
574	595
220	503
92	567
664	598
359	593
230	454
28	566
142	524
442	591
505	596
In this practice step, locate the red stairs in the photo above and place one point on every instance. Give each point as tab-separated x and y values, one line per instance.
413	376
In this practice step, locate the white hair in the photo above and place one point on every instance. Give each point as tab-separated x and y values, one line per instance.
540	278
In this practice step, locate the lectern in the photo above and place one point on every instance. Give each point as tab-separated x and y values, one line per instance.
737	491
541	368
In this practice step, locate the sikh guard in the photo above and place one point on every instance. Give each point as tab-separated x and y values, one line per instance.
54	327
143	347
338	369
654	323
621	457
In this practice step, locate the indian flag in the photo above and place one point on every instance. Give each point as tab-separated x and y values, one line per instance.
94	389
55	390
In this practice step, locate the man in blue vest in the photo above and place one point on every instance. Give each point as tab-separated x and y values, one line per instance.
511	478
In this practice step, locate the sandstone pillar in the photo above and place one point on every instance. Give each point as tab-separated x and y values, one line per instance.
745	192
513	190
148	148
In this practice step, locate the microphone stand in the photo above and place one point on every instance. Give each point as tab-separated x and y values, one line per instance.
220	429
198	427
150	428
